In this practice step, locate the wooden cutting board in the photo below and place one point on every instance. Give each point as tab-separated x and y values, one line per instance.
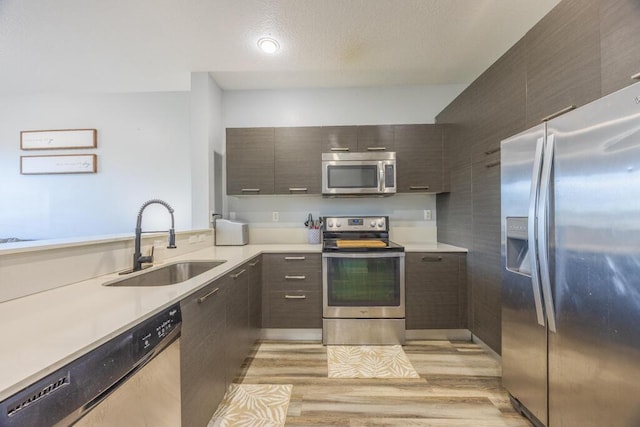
361	244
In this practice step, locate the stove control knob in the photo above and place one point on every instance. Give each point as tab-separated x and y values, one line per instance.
381	223
338	224
373	224
330	224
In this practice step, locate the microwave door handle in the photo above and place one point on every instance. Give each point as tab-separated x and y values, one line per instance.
381	177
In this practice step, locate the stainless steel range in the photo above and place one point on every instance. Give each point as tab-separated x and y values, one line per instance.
362	282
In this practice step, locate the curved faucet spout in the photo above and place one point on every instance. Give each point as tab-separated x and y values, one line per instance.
138	259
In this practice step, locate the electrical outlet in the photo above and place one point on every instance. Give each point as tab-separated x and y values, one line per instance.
232	216
275	216
427	214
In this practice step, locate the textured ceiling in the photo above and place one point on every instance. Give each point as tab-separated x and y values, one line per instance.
153	45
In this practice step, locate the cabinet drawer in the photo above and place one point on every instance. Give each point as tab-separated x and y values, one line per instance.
293	309
292	271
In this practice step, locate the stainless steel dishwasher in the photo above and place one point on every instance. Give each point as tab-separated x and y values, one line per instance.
133	380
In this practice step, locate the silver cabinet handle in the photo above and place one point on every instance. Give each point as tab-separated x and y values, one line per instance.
431	259
238	274
250	190
558	113
493	150
292	189
635	77
492	164
204	297
254	263
295	296
339	149
295	277
294	258
418	187
531	229
545	278
376	148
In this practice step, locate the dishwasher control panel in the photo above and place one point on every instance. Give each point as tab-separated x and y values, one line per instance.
151	332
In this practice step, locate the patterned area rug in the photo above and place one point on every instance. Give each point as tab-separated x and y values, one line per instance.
388	361
253	405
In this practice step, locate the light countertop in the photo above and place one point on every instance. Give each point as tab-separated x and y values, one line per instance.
45	331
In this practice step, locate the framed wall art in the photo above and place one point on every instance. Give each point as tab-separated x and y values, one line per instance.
67	163
58	139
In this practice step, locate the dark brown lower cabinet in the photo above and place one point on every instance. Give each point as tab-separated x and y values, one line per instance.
292	290
215	340
436	290
202	357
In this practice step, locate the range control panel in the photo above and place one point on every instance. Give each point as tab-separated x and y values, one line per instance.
361	223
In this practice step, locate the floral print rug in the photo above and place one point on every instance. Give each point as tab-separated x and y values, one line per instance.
387	361
253	405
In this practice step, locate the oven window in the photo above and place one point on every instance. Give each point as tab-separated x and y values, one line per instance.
364	176
363	282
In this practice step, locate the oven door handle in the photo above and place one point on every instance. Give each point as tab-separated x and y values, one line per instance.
373	254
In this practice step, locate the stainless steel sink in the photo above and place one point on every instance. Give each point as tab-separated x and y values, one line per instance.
169	274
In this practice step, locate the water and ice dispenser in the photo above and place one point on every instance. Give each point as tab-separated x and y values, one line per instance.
518	259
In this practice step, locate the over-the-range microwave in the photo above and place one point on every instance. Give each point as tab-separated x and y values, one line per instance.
358	174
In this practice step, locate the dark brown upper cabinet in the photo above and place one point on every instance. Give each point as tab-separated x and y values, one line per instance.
375	138
298	156
340	139
620	43
250	161
563	59
419	157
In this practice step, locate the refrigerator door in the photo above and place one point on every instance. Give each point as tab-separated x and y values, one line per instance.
524	334
594	357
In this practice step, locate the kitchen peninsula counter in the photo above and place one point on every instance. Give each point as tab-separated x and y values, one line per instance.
47	330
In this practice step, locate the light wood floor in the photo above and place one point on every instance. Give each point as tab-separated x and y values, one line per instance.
459	385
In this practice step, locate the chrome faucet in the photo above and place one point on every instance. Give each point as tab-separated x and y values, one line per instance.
138	259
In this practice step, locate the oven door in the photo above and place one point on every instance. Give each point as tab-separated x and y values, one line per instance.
364	285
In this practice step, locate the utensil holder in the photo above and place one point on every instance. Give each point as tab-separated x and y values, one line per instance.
313	235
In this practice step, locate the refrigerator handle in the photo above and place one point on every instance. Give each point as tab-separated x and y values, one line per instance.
531	230
543	235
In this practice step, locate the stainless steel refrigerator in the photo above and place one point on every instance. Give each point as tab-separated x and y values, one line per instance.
571	265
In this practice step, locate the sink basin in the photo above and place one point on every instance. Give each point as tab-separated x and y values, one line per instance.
169	274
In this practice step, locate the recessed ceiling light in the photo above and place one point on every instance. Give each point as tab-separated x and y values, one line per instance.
268	45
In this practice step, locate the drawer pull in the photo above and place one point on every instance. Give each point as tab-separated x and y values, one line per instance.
431	259
254	263
418	187
376	148
300	189
339	149
294	258
250	190
635	77
203	298
295	277
492	164
493	150
558	113
238	274
295	297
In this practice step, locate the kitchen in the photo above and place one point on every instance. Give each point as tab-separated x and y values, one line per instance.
455	223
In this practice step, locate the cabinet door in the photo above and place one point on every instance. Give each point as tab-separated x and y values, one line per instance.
436	294
563	63
375	138
255	298
202	356
237	340
419	158
620	43
340	139
250	161
298	160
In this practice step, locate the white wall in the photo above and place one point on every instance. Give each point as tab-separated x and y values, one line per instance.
324	107
143	153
